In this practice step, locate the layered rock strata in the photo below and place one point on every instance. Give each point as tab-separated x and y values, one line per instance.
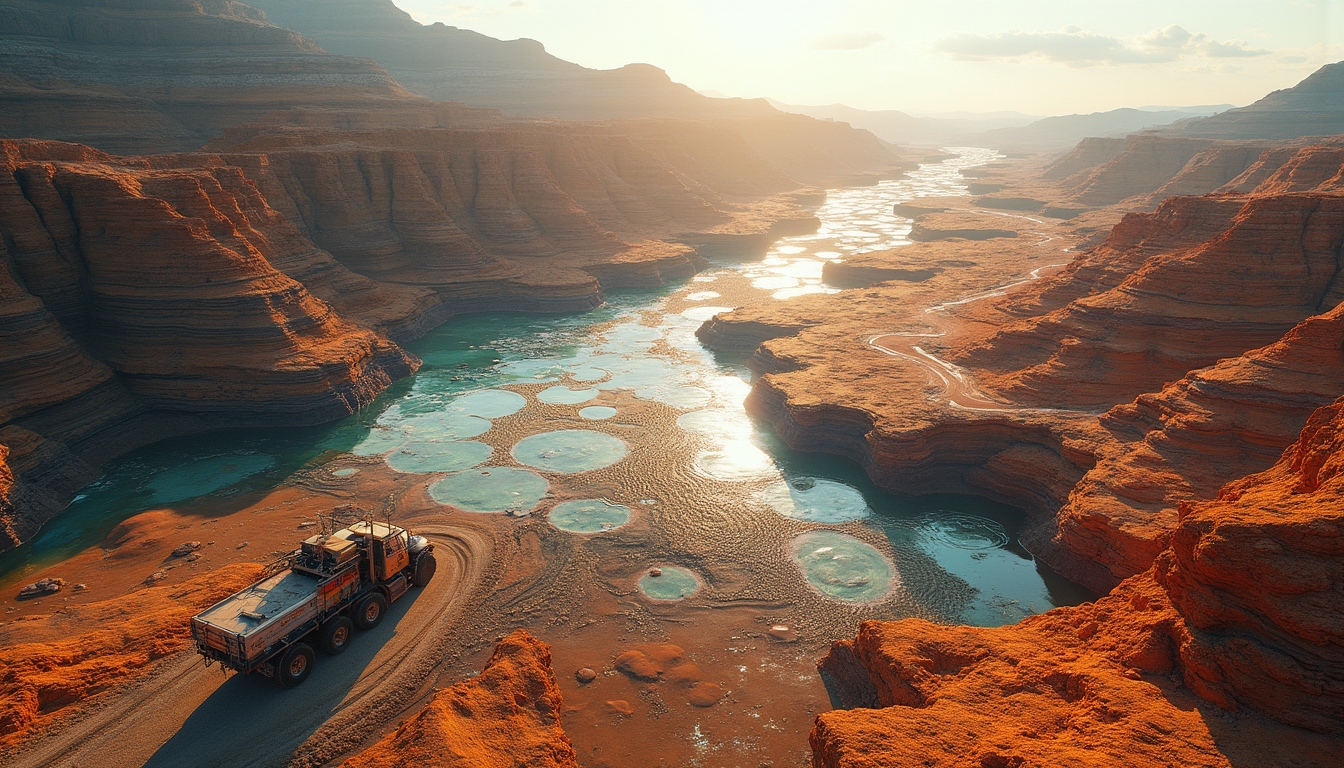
1236	616
506	717
139	302
1136	312
1161	452
144	75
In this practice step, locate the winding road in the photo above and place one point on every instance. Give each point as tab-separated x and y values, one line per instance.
959	390
191	715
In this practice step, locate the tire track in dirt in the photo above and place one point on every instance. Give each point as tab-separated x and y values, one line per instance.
188	714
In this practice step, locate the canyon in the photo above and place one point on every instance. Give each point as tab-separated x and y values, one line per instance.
330	236
1137	344
1117	401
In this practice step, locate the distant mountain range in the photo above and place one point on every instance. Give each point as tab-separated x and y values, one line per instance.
516	76
1313	107
1011	131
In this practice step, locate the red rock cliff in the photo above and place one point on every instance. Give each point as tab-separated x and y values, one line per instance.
141	302
1241	612
1200	279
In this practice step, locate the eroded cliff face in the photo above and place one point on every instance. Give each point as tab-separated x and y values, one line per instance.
482	209
1236	617
144	75
507	717
1198	280
141	302
1167	449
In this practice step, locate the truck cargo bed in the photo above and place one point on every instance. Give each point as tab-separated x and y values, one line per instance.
243	627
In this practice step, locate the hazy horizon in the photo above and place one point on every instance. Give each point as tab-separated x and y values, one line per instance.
1045	57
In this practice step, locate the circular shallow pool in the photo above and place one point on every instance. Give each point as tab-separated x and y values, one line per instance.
491	489
425	458
589	516
843	567
816	500
569	450
597	412
671	583
489	403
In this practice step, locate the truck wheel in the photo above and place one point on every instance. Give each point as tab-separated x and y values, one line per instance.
335	636
425	566
369	611
295	665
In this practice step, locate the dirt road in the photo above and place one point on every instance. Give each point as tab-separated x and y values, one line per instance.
190	715
959	390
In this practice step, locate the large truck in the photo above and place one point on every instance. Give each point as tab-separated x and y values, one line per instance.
317	595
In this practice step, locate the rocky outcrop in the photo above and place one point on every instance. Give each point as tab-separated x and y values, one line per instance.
1256	574
140	303
51	664
1240	610
506	717
1317	168
1168	449
1166	293
145	75
218	332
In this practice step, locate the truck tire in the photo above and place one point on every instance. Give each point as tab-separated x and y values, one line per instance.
425	566
335	637
370	610
295	665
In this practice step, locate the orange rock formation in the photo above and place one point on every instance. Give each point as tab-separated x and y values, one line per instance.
1239	612
52	664
507	717
142	302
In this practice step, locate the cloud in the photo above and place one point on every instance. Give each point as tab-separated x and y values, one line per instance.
847	41
1075	47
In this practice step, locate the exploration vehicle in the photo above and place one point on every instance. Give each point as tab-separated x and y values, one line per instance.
314	596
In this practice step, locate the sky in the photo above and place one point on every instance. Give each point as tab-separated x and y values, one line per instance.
1041	57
